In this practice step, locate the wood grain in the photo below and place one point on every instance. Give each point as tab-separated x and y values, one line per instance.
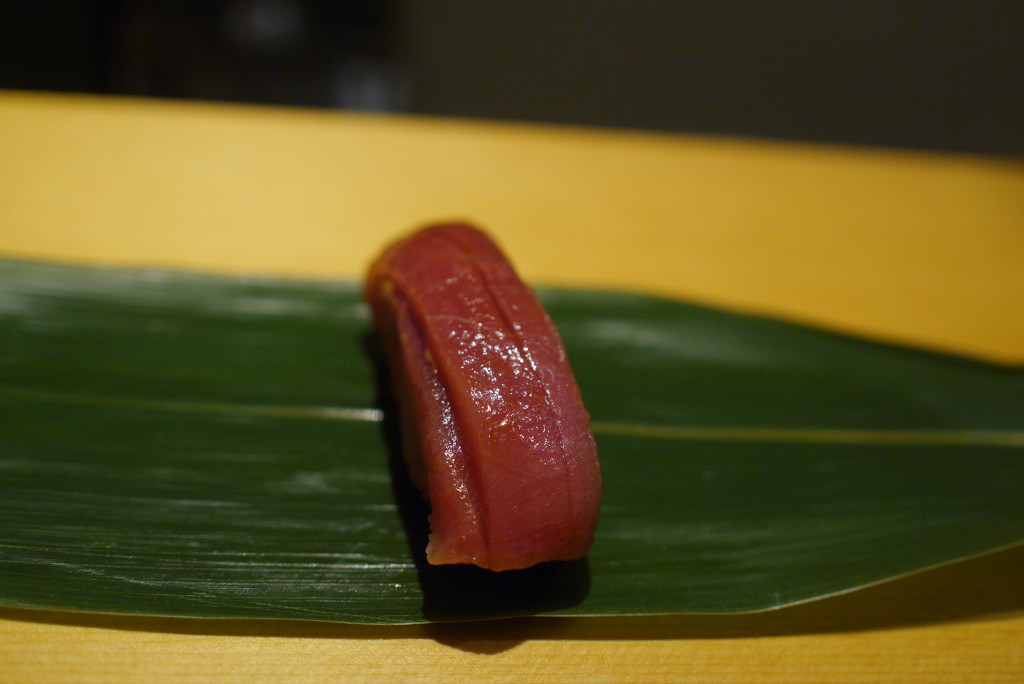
910	247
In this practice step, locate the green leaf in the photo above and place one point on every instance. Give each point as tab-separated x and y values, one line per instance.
196	445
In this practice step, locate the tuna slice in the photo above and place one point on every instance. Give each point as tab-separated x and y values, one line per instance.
494	431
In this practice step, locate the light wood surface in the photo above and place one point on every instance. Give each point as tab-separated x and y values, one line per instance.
918	248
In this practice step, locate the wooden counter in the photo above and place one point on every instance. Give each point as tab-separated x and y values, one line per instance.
917	248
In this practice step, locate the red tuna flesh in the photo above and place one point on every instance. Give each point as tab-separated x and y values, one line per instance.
494	431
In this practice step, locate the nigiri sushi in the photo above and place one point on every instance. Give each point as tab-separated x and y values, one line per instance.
493	427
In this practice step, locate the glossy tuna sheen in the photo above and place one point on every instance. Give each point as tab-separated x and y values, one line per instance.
493	427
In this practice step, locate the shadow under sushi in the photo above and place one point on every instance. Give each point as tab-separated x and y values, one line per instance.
466	592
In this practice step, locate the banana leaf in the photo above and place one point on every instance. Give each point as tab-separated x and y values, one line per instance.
188	444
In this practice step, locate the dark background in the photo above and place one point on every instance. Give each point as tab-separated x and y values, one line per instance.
942	74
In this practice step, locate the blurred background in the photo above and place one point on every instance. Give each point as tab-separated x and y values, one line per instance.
914	74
